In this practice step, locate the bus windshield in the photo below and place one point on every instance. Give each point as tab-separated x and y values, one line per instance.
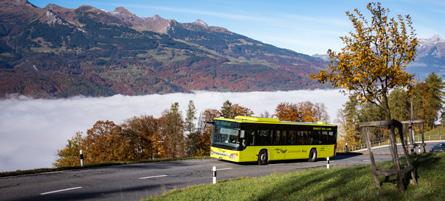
226	136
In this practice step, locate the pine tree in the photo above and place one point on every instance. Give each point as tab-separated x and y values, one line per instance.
173	132
190	118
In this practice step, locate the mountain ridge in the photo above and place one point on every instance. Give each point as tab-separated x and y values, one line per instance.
60	52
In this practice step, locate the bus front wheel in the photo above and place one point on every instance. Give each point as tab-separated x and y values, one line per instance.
262	157
313	155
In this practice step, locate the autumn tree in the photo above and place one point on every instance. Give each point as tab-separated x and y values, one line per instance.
374	57
229	110
206	131
435	95
210	114
69	155
104	142
310	112
238	110
97	142
226	109
427	100
349	119
286	112
198	143
172	132
301	112
144	135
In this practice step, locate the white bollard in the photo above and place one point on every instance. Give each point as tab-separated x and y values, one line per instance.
327	165
214	174
81	158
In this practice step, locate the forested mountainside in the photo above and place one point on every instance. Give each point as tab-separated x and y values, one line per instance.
60	52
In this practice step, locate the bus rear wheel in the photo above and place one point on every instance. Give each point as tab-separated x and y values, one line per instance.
313	155
262	157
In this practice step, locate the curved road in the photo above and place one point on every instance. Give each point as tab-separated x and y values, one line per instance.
135	181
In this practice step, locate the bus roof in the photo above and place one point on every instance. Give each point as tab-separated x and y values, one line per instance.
262	120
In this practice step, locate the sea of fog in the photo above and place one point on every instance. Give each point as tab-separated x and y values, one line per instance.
32	130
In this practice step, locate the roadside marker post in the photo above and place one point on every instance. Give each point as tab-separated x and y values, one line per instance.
214	174
81	158
327	165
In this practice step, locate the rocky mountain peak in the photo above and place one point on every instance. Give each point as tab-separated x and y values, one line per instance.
157	18
435	39
122	10
125	15
200	22
158	24
91	9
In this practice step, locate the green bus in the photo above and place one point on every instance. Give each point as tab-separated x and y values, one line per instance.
251	139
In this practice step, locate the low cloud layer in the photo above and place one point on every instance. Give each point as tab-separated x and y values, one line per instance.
32	130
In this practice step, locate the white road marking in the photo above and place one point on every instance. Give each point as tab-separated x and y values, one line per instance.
61	190
156	176
223	169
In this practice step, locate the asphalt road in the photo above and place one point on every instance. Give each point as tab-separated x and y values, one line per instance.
136	181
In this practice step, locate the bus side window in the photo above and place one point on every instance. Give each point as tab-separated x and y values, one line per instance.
302	137
252	137
331	137
309	137
292	137
283	138
325	138
264	137
277	137
298	137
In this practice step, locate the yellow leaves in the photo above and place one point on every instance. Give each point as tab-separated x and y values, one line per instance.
321	76
301	112
374	56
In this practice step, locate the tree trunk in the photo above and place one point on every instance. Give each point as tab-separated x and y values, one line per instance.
386	107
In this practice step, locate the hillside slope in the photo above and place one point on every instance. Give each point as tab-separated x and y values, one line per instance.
60	52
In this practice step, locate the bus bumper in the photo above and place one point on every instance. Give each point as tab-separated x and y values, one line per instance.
224	154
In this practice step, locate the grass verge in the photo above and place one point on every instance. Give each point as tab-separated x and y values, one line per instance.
352	183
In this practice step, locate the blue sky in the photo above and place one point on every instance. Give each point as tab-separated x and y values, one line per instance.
309	27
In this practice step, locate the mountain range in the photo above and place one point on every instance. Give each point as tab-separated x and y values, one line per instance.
430	58
61	52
